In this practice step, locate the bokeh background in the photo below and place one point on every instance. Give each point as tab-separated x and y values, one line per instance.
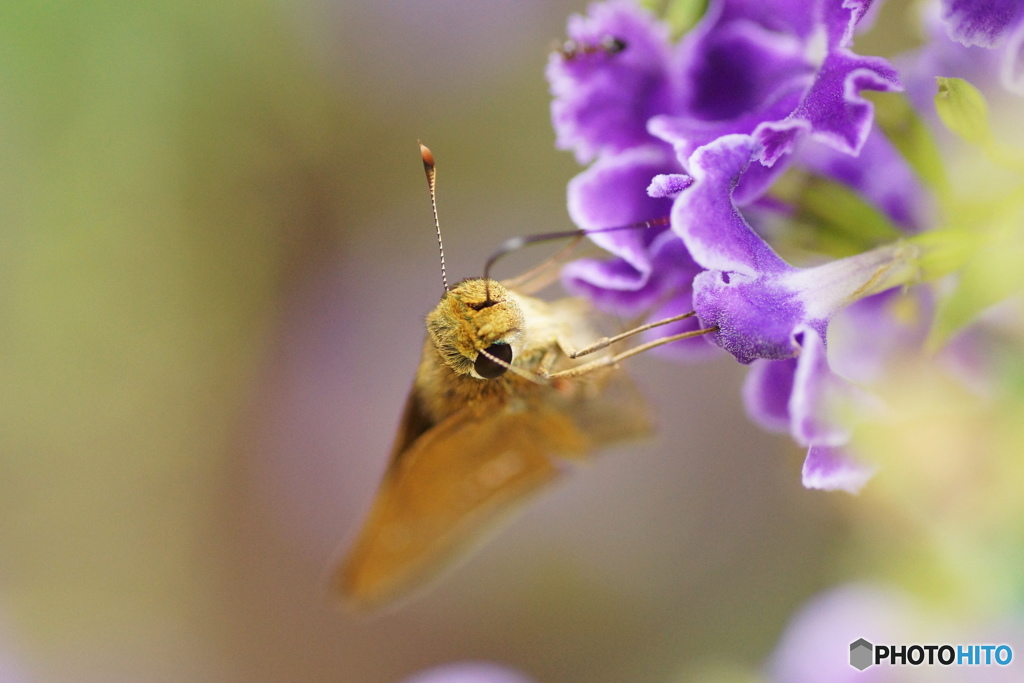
216	254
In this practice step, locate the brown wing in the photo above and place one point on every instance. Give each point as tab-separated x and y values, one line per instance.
611	410
451	485
413	424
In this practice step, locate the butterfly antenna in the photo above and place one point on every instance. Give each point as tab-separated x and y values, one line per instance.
428	167
517	243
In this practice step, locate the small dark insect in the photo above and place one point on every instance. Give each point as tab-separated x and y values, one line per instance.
609	45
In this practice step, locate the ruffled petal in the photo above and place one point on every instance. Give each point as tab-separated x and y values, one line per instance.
469	672
617	287
984	23
708	221
1011	71
613	192
831	469
687	133
603	99
832	111
766	392
668	185
817	395
613	286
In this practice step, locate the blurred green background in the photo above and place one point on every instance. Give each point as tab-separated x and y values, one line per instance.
217	251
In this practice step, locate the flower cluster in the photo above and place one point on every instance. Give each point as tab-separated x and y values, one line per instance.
706	130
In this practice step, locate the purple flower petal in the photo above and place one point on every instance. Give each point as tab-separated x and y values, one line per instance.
602	100
766	392
984	23
832	111
815	646
469	672
705	217
617	287
756	318
796	17
613	192
687	133
817	395
738	66
1011	72
668	185
831	469
613	286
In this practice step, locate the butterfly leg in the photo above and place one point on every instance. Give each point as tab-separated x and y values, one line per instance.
548	361
604	342
613	360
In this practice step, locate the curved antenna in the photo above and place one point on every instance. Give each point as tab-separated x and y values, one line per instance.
517	243
428	167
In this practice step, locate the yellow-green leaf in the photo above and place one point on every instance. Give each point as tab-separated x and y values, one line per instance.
963	110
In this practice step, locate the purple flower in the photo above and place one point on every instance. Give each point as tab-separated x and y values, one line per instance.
986	23
779	70
767	309
696	131
803	396
469	672
773	69
816	644
758	301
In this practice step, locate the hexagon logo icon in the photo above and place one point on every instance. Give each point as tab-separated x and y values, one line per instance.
860	654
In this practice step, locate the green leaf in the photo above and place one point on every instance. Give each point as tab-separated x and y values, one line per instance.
963	110
680	15
944	251
993	270
908	132
829	217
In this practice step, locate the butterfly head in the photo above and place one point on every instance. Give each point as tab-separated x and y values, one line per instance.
476	322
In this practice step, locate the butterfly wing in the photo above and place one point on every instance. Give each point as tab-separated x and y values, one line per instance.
414	423
449	482
452	484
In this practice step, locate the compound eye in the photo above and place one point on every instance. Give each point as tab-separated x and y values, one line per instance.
487	368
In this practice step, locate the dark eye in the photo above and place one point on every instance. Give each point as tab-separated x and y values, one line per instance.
487	368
